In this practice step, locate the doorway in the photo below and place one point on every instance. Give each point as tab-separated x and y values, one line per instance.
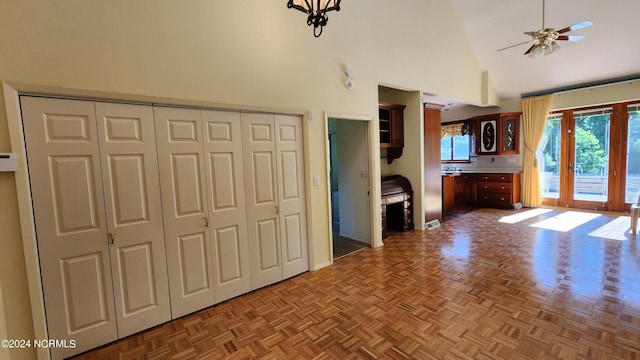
349	178
587	157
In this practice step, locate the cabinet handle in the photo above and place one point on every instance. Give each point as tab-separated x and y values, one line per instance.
206	221
502	199
503	188
111	241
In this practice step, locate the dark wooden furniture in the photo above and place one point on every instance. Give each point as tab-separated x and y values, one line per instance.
397	204
500	190
497	134
509	133
488	189
465	189
432	169
488	132
448	192
391	127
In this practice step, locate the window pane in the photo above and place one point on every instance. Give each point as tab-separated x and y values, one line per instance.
549	154
632	188
445	149
590	181
461	147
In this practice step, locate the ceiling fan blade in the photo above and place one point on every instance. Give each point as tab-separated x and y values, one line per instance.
509	47
577	26
531	48
570	38
532	33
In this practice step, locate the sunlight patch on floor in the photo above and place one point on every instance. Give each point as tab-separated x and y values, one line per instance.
615	229
512	219
566	221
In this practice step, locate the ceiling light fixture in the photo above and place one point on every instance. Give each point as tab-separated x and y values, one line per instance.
316	11
545	39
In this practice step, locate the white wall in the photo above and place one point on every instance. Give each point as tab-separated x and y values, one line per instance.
597	95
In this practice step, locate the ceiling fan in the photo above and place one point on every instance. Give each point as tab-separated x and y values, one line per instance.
545	38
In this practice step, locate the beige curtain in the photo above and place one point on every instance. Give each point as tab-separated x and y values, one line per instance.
535	111
450	130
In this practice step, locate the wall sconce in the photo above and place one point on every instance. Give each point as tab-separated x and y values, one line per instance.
316	11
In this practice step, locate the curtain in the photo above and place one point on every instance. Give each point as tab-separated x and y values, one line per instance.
450	130
535	111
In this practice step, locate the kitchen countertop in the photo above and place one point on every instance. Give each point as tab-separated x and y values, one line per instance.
494	171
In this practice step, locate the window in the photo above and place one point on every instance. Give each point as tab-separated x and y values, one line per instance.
632	186
453	145
549	152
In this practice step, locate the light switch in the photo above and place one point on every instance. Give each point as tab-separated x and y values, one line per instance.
8	162
316	180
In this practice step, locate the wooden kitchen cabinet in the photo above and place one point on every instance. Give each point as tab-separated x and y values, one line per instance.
448	193
465	189
501	190
391	125
509	133
498	134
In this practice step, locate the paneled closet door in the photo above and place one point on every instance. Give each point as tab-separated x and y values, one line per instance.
259	153
293	215
226	199
134	215
66	187
186	218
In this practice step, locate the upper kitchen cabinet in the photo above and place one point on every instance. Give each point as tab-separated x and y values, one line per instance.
391	125
488	134
498	134
391	119
509	133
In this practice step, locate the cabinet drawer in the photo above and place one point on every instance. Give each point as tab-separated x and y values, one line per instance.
465	178
494	187
494	199
495	177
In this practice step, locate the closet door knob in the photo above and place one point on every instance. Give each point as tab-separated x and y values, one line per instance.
206	221
111	241
276	210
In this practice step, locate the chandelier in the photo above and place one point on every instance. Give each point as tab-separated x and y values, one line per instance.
316	11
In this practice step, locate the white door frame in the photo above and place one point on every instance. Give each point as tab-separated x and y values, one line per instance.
375	196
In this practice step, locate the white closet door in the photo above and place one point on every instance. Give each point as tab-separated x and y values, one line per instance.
66	186
293	216
258	134
182	177
226	199
134	215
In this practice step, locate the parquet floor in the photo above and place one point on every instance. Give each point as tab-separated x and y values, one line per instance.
485	285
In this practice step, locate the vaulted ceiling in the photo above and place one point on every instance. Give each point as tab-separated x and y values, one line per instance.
609	52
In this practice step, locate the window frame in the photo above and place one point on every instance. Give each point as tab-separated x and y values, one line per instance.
451	138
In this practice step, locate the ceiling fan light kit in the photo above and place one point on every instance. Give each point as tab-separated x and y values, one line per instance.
544	40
